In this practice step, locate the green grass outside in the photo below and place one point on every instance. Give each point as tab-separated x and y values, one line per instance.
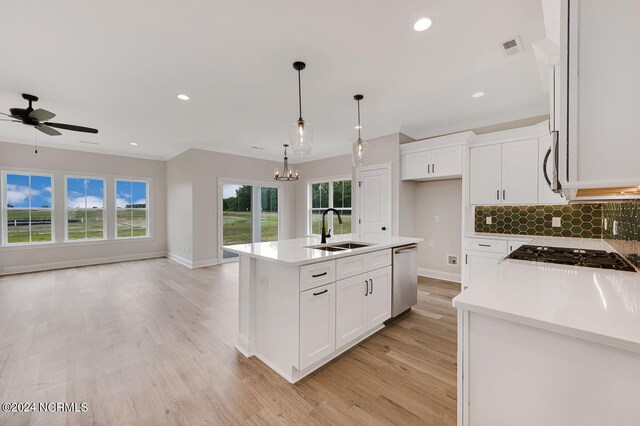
236	227
130	223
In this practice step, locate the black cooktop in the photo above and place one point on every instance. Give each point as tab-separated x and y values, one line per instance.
569	256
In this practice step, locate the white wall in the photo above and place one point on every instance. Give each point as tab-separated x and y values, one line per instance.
61	162
442	199
195	175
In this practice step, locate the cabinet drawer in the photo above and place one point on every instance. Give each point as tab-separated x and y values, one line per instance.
317	274
491	246
350	266
378	259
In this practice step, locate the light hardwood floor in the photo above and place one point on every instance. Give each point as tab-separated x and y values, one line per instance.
151	342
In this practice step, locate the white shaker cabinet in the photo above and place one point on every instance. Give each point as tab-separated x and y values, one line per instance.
379	298
434	158
317	324
351	309
485	176
504	173
520	172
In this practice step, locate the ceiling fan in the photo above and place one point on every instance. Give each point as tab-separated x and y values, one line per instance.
39	119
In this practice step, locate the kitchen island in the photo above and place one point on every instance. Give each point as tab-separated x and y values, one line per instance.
302	303
549	344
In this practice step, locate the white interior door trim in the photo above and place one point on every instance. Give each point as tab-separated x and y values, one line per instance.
356	195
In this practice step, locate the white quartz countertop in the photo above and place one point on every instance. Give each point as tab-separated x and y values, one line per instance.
296	252
592	304
578	243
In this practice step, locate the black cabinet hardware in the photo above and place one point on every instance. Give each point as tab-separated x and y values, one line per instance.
371	292
498	195
322	292
504	194
484	245
366	284
319	275
428	168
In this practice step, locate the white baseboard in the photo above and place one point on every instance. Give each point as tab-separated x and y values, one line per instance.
204	263
439	275
191	264
181	260
79	262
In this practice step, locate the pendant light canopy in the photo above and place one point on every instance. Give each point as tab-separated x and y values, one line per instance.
359	147
300	131
286	174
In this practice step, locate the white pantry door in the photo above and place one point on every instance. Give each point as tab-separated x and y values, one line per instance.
374	202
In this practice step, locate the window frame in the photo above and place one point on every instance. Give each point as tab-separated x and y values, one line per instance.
115	207
4	211
330	181
104	209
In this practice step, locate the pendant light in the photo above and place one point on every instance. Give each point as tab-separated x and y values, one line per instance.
287	174
359	147
300	132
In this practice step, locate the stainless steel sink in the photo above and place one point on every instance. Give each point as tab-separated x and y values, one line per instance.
351	245
327	248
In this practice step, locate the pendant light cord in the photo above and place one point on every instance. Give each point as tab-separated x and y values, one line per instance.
299	95
359	126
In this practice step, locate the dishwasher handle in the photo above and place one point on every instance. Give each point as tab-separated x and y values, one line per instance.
405	249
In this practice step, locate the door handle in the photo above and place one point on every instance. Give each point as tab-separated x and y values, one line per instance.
544	167
371	292
319	275
366	291
322	292
384	228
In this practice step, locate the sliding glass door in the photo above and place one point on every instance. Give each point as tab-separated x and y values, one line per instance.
249	215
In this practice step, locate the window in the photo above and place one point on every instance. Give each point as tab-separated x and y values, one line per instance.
28	211
85	209
334	193
132	217
249	215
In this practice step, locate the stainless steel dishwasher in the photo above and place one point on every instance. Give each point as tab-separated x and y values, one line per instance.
405	279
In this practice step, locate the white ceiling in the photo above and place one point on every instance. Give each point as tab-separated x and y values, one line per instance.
118	65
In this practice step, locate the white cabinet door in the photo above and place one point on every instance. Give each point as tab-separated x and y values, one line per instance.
485	177
479	266
545	194
446	162
520	172
351	309
317	324
416	165
379	298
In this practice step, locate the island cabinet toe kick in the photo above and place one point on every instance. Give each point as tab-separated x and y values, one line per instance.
297	318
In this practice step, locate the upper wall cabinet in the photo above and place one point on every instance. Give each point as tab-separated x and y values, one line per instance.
599	108
433	159
504	173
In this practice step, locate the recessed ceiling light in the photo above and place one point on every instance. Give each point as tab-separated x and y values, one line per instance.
422	24
357	127
183	97
133	143
477	95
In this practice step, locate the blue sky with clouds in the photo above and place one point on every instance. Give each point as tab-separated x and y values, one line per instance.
24	194
85	193
130	193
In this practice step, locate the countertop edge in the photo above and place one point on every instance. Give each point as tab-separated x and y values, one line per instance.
616	342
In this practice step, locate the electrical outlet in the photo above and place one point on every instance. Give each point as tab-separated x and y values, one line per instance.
556	222
452	260
615	227
489	220
605	224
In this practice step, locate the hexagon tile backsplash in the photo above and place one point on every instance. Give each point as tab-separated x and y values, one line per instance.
576	220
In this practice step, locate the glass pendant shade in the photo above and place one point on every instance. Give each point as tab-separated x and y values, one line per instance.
301	136
359	149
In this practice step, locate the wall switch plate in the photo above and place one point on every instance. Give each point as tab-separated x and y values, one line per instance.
605	224
556	222
452	260
615	227
489	220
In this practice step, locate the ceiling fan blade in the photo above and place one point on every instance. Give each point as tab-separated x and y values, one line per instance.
6	119
72	127
8	115
48	130
41	114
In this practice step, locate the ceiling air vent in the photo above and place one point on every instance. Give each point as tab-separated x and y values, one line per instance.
512	46
90	143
